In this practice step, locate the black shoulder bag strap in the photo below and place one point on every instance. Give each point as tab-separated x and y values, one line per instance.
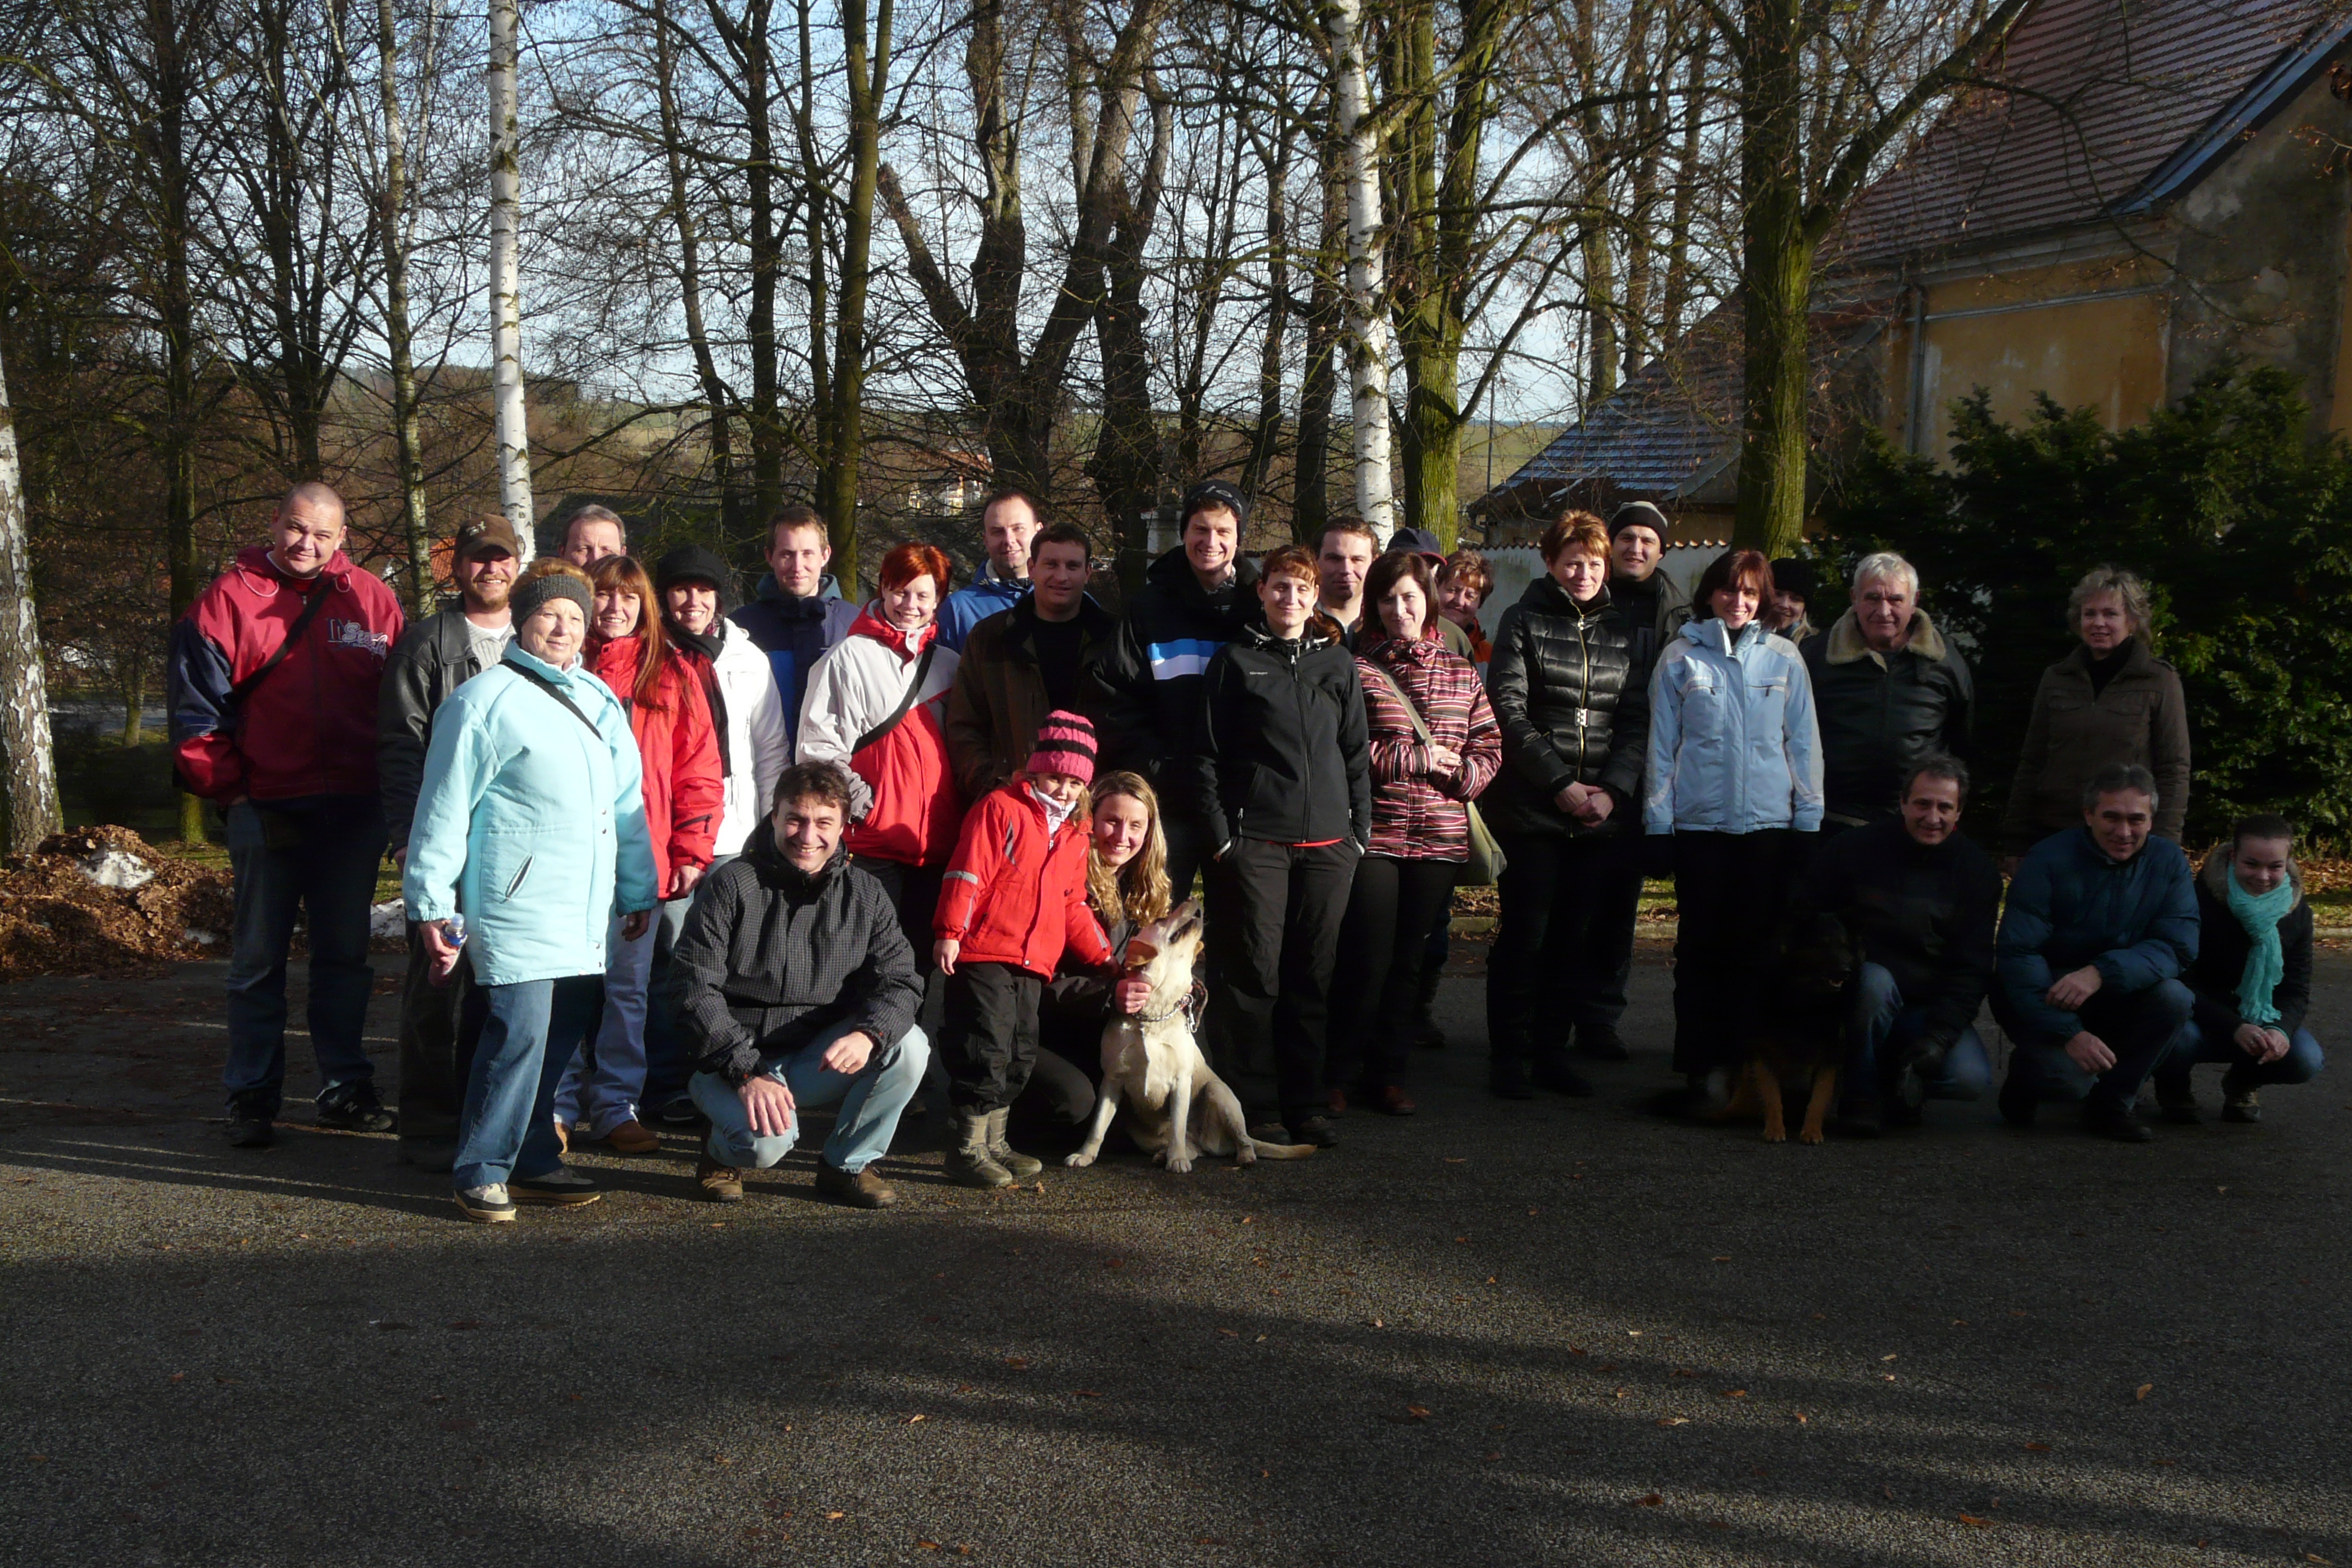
557	693
310	609
906	702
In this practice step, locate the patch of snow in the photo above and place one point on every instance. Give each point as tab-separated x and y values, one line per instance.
388	921
201	938
113	868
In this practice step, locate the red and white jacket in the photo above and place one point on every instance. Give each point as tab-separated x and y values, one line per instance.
678	744
1016	893
906	805
309	728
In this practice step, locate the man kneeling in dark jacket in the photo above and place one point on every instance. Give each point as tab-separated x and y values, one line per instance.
795	987
2101	924
1920	900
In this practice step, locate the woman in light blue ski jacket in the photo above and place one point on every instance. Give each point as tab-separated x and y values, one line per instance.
531	825
1735	776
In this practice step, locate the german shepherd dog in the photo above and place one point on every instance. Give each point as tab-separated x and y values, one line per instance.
1803	1038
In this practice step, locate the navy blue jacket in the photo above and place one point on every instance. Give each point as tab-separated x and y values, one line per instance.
2068	905
794	633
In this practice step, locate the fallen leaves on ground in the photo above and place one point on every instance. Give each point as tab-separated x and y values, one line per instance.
1974	1522
1650	1500
2144	1389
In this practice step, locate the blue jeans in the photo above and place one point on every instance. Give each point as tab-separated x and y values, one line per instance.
2195	1046
606	1074
509	1126
1878	1027
871	1101
326	869
2138	1026
667	1065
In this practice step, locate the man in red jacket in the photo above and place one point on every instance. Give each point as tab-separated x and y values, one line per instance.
273	692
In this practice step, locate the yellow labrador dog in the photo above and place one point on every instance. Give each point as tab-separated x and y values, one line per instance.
1177	1109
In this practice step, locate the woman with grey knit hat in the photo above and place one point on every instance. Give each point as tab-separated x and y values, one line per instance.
530	826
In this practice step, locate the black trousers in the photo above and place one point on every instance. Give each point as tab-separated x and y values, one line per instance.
988	1043
1729	888
1564	942
2136	1025
915	893
437	1045
1280	910
1383	946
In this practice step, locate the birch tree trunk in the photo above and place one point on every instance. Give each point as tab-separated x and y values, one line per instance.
509	423
398	337
23	695
1365	337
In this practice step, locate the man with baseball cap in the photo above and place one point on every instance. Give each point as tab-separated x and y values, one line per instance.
436	656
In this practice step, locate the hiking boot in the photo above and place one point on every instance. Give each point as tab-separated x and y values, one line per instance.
2018	1102
633	1137
1551	1071
356	1110
2105	1119
560	1188
1506	1076
1021	1166
719	1184
968	1161
2238	1101
2177	1103
487	1205
249	1126
863	1189
1602	1043
1311	1128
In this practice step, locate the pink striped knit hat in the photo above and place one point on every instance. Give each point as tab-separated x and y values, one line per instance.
1066	744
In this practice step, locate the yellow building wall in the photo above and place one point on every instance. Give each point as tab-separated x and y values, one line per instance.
2107	354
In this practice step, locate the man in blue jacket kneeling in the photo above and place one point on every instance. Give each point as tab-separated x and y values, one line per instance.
2100	924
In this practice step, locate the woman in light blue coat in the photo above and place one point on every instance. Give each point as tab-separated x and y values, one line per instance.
1735	777
531	827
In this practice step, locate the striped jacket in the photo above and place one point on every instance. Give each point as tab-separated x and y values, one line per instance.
1417	816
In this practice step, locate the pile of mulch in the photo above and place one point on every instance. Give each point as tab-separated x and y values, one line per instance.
54	921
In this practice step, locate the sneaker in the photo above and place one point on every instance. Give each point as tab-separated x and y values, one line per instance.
2108	1120
438	1155
1554	1074
2239	1103
633	1137
678	1113
863	1189
2177	1103
2019	1103
560	1188
249	1128
719	1184
1602	1043
356	1110
487	1205
1311	1128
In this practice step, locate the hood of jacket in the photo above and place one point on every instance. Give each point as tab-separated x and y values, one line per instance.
267	576
1847	646
1716	637
1312	640
906	645
2215	876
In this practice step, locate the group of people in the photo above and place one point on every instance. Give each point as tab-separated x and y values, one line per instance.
670	859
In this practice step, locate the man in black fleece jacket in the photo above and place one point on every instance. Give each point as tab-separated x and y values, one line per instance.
794	986
1921	902
1284	790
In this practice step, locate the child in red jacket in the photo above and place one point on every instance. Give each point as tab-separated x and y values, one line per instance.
1014	896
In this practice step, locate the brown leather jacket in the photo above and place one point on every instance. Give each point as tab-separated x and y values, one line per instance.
999	699
2141	718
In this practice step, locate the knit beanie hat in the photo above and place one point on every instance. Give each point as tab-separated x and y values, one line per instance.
695	563
531	593
1066	744
1209	495
1639	515
1792	575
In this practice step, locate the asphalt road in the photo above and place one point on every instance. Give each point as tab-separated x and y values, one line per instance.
1559	1332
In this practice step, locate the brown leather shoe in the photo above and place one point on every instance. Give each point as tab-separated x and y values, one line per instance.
720	1183
633	1137
1390	1101
865	1190
1337	1099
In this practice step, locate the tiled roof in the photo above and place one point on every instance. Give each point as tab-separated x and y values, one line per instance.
2114	104
1677	422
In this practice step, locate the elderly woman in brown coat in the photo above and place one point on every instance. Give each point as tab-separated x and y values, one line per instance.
2111	702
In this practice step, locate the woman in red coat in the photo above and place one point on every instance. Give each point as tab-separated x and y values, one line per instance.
685	791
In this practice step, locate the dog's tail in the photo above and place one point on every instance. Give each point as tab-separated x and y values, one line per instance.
1265	1150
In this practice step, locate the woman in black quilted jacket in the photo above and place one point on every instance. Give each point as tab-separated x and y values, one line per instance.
1570	685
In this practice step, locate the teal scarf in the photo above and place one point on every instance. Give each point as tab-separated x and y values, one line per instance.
2266	963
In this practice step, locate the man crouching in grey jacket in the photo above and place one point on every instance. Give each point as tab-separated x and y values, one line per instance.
794	987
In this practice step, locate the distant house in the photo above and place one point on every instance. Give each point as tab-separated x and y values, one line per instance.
2159	187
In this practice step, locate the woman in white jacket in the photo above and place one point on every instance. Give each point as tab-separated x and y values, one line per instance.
874	708
1735	776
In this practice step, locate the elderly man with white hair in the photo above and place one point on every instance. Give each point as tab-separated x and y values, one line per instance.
1890	690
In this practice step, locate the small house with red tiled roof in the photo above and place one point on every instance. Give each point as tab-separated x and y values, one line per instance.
2145	190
